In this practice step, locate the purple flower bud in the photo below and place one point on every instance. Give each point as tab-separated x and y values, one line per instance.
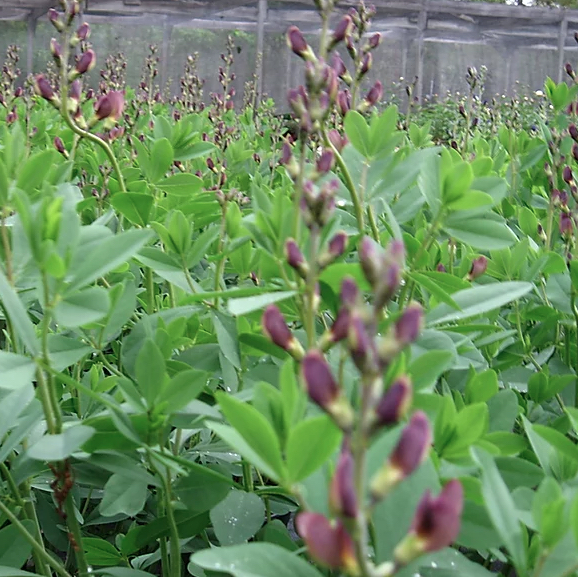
567	175
362	346
89	94
374	41
75	90
436	523
12	117
349	292
297	43
286	154
478	268
338	65
275	327
55	49
110	105
440	267
338	244
375	93
342	30
344	102
328	543
462	111
295	257
340	327
337	140
321	387
59	145
342	495
570	70
83	32
408	326
413	445
366	64
55	20
566	225
370	258
325	162
575	151
86	62
42	87
395	402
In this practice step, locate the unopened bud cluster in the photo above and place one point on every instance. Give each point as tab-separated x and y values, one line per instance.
10	73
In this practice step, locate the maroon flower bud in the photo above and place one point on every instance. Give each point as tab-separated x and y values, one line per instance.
374	41
86	62
394	403
338	65
55	49
575	151
55	20
110	106
59	145
478	268
342	495
366	64
83	32
573	131
566	225
371	259
75	90
286	154
374	95
338	244
321	386
349	292
440	267
362	346
275	327
325	162
462	111
337	140
410	451
436	523
298	44
295	257
408	326
89	94
342	30
567	175
42	88
328	543
570	70
340	327
344	102
12	117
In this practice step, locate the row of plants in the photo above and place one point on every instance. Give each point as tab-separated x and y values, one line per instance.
233	348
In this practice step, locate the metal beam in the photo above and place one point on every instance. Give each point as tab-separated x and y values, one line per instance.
262	18
561	44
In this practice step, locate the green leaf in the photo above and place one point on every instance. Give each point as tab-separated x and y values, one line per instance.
482	387
431	286
107	255
182	389
227	337
238	517
14	548
202	488
123	495
197	150
134	206
254	560
244	305
12	572
357	132
65	351
311	443
83	307
479	233
15	371
61	446
161	159
17	314
35	170
479	300
150	370
427	368
255	430
429	181
501	509
100	552
182	184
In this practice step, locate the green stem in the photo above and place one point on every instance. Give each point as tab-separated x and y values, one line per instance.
355	199
174	534
373	223
150	290
220	268
247	476
575	313
36	546
298	189
311	285
74	528
7	248
45	400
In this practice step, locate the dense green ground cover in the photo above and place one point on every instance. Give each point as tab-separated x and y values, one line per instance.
347	345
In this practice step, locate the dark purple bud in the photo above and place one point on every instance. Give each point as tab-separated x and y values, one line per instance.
440	267
296	41
325	162
462	111
478	268
86	62
42	87
436	524
349	292
295	257
338	244
75	90
321	386
575	151
570	70
362	346
344	102
395	402
59	145
286	154
110	105
340	327
374	41
567	175
342	495
328	543
55	20
371	260
408	326
83	32
366	64
342	30
337	140
55	49
275	327
566	225
375	93
338	65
